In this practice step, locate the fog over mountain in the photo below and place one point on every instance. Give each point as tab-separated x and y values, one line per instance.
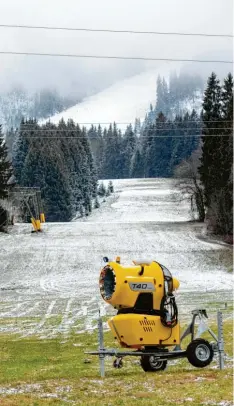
83	77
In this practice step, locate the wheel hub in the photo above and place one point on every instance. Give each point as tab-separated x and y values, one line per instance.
202	352
155	362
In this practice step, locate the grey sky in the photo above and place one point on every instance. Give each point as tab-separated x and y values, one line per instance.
207	16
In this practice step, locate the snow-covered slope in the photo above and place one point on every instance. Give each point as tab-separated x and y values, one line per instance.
122	102
54	275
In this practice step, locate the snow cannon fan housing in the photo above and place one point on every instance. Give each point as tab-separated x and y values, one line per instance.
143	295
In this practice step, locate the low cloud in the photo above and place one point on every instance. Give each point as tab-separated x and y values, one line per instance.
87	76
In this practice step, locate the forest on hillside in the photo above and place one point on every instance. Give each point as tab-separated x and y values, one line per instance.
17	104
66	161
58	160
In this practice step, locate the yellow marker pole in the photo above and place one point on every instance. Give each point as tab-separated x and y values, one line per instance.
42	218
38	225
34	223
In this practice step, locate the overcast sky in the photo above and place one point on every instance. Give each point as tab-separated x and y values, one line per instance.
206	16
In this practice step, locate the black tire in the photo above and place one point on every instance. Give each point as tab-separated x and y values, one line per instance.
200	353
150	364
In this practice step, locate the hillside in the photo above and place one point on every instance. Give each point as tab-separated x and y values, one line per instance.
127	100
50	299
122	102
18	103
54	274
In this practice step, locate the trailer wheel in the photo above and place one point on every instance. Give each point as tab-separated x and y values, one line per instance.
150	363
200	353
118	363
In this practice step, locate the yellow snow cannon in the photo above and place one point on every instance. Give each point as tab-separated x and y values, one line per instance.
143	296
147	316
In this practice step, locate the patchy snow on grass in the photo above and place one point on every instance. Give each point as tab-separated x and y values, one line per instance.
49	281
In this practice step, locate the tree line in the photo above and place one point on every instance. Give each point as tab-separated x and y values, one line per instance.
153	152
216	167
209	169
57	159
66	161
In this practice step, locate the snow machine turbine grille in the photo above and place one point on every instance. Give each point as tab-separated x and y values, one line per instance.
107	282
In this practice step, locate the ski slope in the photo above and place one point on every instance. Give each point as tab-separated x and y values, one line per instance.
122	102
49	281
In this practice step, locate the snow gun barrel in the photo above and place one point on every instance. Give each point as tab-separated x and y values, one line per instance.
146	281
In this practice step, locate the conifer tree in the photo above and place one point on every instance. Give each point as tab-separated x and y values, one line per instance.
110	187
162	105
97	147
113	158
128	147
101	190
137	165
211	116
21	146
216	160
5	168
5	175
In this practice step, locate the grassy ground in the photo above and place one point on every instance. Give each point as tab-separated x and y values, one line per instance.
53	372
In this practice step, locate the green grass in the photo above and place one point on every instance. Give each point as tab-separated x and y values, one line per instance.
53	372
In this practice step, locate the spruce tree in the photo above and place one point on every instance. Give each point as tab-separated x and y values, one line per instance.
211	116
137	127
216	160
5	168
113	157
101	190
137	165
225	219
5	175
157	153
91	173
20	148
162	147
110	187
146	145
162	104
57	193
10	139
128	147
98	153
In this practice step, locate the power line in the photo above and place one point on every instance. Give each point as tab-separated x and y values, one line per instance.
133	58
115	31
122	123
32	129
153	136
